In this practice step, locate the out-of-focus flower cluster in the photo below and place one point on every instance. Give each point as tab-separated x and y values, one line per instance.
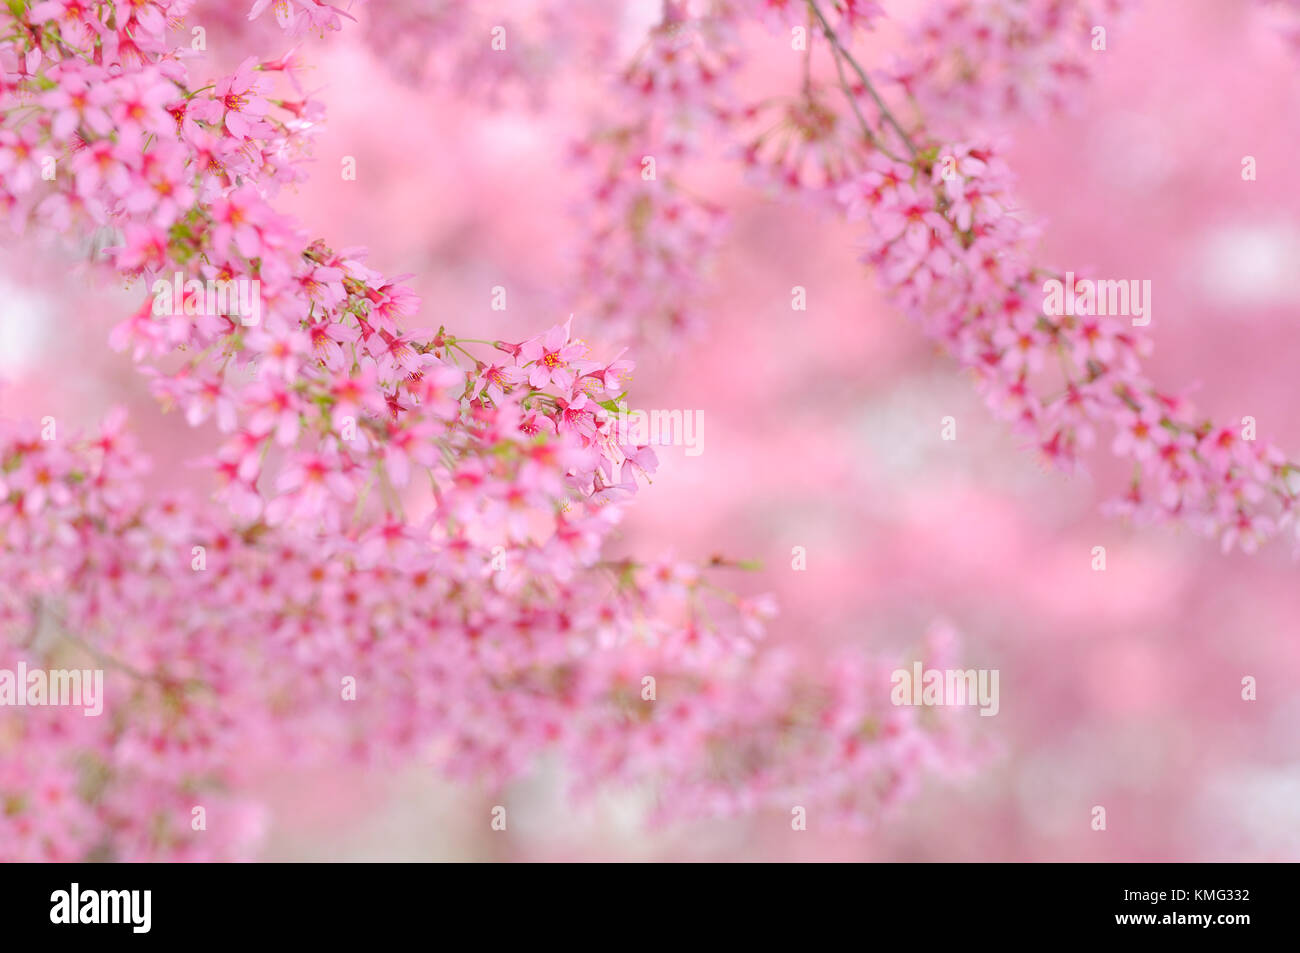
973	58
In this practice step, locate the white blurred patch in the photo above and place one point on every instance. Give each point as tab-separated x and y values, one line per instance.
900	431
639	17
1254	808
1250	264
24	323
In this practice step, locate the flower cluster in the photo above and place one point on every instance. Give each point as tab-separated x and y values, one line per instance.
968	59
944	239
648	236
406	552
953	257
220	643
805	147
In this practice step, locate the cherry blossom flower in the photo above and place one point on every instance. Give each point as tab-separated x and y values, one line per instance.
550	357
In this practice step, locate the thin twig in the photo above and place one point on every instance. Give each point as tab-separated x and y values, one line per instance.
839	50
807	59
853	102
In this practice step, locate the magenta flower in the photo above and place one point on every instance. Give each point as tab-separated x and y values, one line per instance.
298	16
550	357
240	218
241	100
76	19
607	379
82	97
496	379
